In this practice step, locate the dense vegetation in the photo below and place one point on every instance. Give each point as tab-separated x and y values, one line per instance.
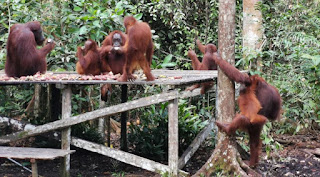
290	55
291	59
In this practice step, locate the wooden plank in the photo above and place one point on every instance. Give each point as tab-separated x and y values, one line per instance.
66	132
188	77
161	81
155	72
195	144
187	94
173	137
32	153
123	156
16	124
165	77
142	102
185	73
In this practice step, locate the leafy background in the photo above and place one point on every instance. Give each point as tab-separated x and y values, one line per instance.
290	56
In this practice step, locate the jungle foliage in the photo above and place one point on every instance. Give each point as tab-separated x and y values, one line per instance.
290	54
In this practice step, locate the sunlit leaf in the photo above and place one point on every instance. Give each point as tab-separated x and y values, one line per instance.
83	30
171	64
120	12
96	23
77	8
138	16
315	58
168	58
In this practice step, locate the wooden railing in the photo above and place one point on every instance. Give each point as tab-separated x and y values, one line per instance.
171	95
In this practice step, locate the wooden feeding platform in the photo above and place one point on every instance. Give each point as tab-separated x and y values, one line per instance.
171	94
164	77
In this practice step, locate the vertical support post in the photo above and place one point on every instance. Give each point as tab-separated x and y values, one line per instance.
55	102
173	137
101	127
37	92
101	122
48	105
66	133
34	167
124	98
108	131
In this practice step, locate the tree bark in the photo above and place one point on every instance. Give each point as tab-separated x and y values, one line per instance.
252	29
225	156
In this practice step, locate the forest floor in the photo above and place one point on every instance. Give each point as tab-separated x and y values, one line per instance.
299	156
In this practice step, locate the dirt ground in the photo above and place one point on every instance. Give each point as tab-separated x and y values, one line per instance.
300	156
297	158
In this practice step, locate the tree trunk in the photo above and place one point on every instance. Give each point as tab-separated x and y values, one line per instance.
225	156
252	30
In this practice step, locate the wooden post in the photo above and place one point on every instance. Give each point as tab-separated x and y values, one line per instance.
108	131
48	105
66	133
124	98
55	102
173	137
101	122
34	167
37	92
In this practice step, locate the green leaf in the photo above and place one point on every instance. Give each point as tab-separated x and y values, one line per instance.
2	55
72	17
77	8
120	12
138	16
298	128
168	58
97	23
267	140
118	6
171	64
104	15
83	30
315	59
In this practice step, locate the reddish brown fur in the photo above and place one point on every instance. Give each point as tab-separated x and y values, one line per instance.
139	49
232	72
201	47
89	62
115	59
23	57
258	101
207	63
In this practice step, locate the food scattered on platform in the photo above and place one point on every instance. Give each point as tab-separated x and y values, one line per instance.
50	76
